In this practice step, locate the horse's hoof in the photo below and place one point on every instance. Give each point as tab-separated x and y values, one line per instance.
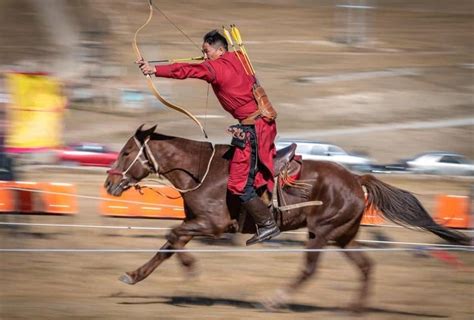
125	278
275	302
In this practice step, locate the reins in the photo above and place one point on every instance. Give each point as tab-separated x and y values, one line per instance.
146	156
144	162
190	189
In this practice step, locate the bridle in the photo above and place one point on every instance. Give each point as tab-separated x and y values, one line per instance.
144	153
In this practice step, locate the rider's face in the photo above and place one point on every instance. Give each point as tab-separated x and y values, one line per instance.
210	52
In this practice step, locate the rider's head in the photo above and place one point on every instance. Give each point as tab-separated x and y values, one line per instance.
214	45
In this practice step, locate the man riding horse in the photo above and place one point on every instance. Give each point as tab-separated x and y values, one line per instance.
251	166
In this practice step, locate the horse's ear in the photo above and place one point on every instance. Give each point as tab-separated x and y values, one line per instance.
150	131
141	135
139	129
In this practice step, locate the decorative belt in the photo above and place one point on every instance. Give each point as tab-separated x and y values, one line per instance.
250	120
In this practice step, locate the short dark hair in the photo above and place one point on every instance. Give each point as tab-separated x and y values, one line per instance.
215	39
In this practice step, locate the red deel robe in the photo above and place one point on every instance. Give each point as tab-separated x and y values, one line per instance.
233	89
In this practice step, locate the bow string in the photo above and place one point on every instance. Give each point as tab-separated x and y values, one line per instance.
149	80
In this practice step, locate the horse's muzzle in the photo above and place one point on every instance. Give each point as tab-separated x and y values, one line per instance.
116	188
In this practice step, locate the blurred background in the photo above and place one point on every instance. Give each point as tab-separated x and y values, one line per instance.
387	80
381	86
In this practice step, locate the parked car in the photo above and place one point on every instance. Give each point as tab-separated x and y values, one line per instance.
311	150
440	163
390	168
87	154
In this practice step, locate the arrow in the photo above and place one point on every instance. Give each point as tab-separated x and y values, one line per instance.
238	39
229	39
177	60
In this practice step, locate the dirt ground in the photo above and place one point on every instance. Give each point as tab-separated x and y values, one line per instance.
406	285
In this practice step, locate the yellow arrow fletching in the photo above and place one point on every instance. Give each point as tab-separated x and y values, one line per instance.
237	33
238	38
228	37
234	35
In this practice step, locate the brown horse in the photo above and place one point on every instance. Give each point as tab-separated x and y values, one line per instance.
211	211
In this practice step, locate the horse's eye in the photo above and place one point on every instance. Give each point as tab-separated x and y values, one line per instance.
125	154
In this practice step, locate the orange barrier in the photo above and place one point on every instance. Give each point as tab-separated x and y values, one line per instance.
57	198
6	197
147	204
453	211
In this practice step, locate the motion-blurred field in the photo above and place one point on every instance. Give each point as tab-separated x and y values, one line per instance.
405	83
399	70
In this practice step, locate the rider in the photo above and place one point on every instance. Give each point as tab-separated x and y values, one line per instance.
251	166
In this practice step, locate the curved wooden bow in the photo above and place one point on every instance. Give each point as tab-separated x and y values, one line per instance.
150	83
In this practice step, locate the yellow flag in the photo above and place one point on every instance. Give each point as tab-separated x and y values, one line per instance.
35	112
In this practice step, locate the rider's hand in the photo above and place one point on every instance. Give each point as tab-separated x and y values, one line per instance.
145	67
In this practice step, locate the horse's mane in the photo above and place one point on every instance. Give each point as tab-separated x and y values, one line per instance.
192	147
162	137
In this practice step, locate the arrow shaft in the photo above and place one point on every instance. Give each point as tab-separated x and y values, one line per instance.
177	60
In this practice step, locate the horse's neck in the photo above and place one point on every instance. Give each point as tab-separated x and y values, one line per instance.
183	162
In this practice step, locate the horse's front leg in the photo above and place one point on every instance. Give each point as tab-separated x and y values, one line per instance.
195	227
177	239
186	259
145	270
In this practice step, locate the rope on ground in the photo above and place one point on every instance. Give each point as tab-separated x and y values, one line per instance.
285	250
418	244
81	226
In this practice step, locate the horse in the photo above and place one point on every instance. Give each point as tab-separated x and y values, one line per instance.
199	171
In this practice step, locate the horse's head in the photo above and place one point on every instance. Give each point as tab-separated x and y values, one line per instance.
134	163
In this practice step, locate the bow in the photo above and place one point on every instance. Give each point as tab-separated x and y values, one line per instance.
150	83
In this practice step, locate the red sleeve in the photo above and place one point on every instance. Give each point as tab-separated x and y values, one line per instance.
203	71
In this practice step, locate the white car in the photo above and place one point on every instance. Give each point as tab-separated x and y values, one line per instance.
327	152
441	163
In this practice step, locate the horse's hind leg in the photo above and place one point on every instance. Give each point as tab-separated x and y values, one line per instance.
317	241
145	270
363	262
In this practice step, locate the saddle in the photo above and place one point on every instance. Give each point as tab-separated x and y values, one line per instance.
286	163
287	171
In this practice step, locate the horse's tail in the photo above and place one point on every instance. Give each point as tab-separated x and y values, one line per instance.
403	208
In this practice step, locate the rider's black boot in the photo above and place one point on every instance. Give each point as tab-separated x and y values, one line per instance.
266	226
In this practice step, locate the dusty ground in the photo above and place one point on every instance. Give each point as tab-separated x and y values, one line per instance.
229	285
